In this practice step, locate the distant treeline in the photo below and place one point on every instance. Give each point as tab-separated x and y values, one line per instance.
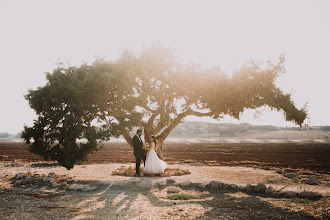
195	129
190	128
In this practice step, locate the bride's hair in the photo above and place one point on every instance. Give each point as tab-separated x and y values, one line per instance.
154	138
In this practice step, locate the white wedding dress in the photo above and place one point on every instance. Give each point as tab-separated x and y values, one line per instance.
154	165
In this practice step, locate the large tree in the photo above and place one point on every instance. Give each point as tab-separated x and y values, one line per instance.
154	90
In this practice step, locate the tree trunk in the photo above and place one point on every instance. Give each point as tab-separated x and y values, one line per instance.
127	137
160	149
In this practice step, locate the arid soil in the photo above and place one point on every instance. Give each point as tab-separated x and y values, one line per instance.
309	156
117	197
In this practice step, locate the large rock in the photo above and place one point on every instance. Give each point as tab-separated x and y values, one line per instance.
89	188
290	194
21	175
29	178
269	190
173	189
225	185
260	187
186	183
75	186
144	185
162	183
291	175
233	186
46	179
313	181
18	182
248	188
214	184
309	194
52	175
170	181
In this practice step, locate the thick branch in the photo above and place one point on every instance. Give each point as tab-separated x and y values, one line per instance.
127	137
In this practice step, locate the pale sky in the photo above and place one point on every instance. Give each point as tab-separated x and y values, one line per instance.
35	35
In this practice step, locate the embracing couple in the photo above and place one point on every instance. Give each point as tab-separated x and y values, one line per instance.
152	163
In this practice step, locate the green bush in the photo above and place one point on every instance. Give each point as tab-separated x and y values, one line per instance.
182	196
299	200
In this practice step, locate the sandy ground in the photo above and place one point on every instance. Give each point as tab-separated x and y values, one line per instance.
117	198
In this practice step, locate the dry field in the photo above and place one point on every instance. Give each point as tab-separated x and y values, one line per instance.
117	197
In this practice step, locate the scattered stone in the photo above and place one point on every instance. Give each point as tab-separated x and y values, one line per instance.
23	181
269	190
186	183
309	194
276	194
170	181
75	186
260	187
29	178
52	175
173	189
267	168
162	183
291	175
36	175
225	185
20	175
64	183
17	183
214	184
46	179
144	185
241	188
290	194
280	171
248	188
233	186
313	181
202	185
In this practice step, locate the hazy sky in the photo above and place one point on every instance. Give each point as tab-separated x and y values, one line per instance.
35	35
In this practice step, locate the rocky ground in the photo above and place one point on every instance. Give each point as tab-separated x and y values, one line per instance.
48	191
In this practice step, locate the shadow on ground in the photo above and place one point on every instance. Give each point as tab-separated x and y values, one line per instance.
126	200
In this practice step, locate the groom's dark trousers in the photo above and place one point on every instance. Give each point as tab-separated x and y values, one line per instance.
138	153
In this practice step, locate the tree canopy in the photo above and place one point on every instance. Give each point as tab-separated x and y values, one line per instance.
154	90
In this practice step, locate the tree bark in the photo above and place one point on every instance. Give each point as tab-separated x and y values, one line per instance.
127	137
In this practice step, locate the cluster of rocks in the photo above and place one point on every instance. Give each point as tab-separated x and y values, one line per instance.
174	187
130	171
261	188
27	179
300	176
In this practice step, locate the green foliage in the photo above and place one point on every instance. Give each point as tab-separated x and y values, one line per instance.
181	196
300	200
154	90
66	107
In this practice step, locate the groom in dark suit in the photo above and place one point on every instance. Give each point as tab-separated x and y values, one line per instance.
138	151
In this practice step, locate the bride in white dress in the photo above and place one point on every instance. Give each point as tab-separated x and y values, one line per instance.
154	165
